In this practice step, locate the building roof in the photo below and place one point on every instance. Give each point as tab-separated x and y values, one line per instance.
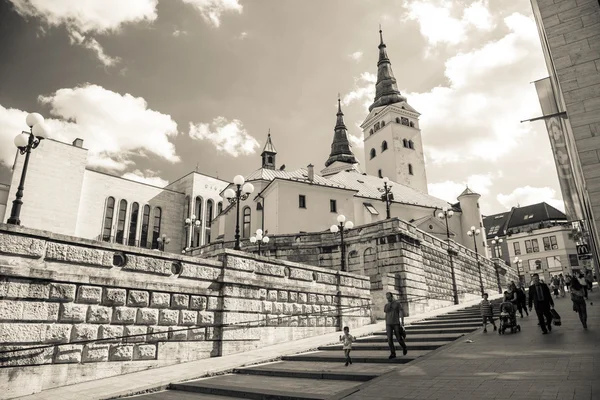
386	88
269	148
495	225
467	192
500	224
299	175
368	186
340	147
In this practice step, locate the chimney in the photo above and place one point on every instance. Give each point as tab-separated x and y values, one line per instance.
311	172
78	143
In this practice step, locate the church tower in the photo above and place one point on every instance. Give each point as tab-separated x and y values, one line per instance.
341	157
393	145
268	154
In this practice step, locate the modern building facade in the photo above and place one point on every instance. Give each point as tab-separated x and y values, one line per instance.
570	100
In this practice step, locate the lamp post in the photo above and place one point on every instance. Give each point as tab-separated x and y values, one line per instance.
387	196
241	193
25	142
496	243
518	261
192	223
259	238
444	215
474	233
340	228
162	241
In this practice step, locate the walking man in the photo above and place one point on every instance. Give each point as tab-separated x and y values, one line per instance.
540	297
394	324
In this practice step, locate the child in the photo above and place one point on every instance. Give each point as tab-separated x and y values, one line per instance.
487	312
347	339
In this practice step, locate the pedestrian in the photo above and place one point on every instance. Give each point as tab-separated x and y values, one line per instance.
589	279
555	283
522	298
568	280
578	300
394	324
487	312
540	297
562	285
583	283
347	339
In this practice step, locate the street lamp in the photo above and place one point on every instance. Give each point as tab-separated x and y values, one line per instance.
387	195
162	241
339	228
194	223
518	261
496	243
243	190
474	233
25	142
259	238
444	215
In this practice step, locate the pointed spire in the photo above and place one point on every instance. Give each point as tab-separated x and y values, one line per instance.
340	148
269	148
268	154
386	88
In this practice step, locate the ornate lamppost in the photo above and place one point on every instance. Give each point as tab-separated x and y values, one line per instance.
387	196
193	223
518	261
444	215
241	193
474	233
340	228
25	142
259	238
162	242
496	245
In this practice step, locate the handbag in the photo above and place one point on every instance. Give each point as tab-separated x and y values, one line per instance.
575	298
555	317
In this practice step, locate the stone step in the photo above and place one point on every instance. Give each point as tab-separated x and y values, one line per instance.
319	366
445	324
266	387
181	395
442	337
358	356
384	346
422	330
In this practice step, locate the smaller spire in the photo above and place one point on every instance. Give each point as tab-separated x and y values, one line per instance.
268	154
339	124
381	36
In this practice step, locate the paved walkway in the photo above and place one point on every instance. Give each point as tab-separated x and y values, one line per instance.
564	364
139	382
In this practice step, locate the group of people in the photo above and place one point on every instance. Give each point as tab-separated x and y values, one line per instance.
561	284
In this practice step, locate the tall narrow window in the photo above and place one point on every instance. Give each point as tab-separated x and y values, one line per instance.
517	248
186	215
553	242
535	245
380	173
333	206
301	201
410	169
133	221
156	227
411	144
373	153
198	213
145	226
120	236
208	220
219	207
246	228
384	146
404	142
546	242
108	219
528	247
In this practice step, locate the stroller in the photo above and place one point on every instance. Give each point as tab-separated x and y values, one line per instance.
508	318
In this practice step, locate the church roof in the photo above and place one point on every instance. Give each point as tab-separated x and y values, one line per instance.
467	191
368	186
340	148
299	175
386	88
269	148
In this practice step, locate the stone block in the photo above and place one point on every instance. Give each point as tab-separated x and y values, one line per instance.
89	294
99	314
320	299
11	310
138	333
148	265
22	245
158	333
196	334
293	322
206	318
326	278
109	332
272	295
282	295
62	292
180	301
296	309
243	264
301	274
120	352
262	294
198	303
114	297
138	298
267	307
25	358
70	353
78	255
187	317
168	317
147	316
287	308
269	269
72	312
177	333
84	332
160	300
302	297
312	298
277	308
25	289
144	352
58	333
201	272
214	303
95	353
21	333
124	315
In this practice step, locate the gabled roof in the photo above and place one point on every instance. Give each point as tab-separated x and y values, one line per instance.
439	226
534	213
269	148
495	225
299	175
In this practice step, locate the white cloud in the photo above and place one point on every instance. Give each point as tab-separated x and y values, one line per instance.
364	90
243	35
92	44
357	141
450	190
147	176
230	137
528	195
12	122
211	10
356	56
178	33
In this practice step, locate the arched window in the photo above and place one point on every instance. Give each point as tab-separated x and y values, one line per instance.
410	169
133	221
411	144
384	146
397	120
208	220
198	213
246	229
380	173
411	124
145	226
371	132
186	214
156	227
108	219
270	159
219	207
382	124
120	236
376	127
373	153
404	142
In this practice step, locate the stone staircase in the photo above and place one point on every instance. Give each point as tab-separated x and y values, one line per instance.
320	374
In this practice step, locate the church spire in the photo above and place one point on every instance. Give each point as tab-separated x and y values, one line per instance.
268	154
340	148
386	88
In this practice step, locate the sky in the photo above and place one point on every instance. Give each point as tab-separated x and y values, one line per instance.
157	89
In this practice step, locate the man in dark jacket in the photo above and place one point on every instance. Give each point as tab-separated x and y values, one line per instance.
540	297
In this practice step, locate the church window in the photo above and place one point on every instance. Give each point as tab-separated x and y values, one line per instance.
411	144
333	206
397	120
376	127
246	229
371	132
186	214
207	220
156	227
133	220
405	142
380	173
371	209
219	207
411	124
410	169
384	146
108	219
404	121
382	124
373	153
121	221
145	225
198	214
301	201
270	159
